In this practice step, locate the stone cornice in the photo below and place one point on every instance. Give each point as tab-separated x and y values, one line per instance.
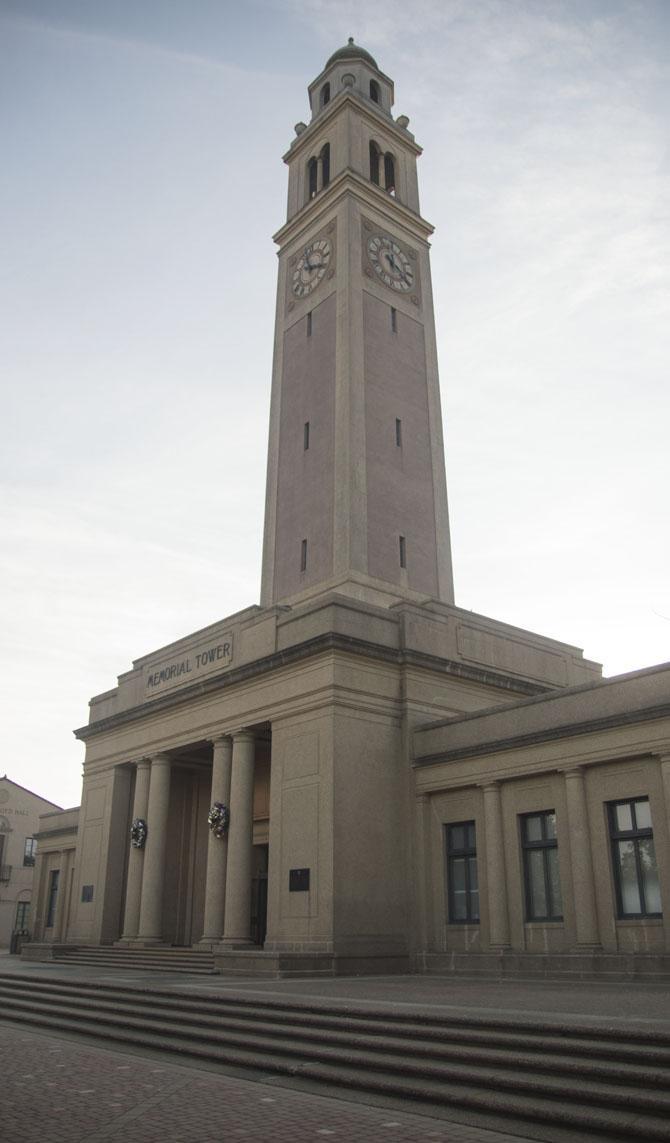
367	110
549	734
318	210
321	644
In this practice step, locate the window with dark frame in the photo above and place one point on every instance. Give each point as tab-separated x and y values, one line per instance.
22	916
374	91
638	891
303	556
462	880
540	867
54	877
402	546
325	94
29	851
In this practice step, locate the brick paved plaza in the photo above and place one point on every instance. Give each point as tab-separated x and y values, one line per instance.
57	1090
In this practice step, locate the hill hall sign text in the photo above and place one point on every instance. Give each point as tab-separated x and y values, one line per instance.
190	665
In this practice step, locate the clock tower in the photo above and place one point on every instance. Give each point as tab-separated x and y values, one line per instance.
356	490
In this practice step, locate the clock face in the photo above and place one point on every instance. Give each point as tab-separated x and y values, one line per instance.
390	262
311	267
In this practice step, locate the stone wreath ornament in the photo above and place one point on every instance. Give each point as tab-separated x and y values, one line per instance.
219	819
138	833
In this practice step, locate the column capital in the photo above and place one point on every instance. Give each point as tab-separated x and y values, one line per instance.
494	785
160	759
573	772
142	763
220	739
243	735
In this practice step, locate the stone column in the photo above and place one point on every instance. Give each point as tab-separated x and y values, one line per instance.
151	909
495	868
131	921
583	887
237	922
217	847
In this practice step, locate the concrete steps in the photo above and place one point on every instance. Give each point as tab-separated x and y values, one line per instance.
558	1081
157	959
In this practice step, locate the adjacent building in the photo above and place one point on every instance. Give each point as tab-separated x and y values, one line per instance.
357	775
20	810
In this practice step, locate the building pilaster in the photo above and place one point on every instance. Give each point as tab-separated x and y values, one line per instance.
499	936
61	899
583	886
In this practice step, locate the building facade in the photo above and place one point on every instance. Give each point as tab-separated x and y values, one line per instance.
357	775
20	810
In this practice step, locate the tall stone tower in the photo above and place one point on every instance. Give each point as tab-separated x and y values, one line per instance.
356	490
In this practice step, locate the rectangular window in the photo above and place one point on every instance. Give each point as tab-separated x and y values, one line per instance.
29	851
51	899
462	883
402	551
398	432
394	320
22	916
87	893
634	859
309	324
305	436
540	867
303	556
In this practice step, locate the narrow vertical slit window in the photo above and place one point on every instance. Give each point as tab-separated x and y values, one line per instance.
398	434
312	174
394	320
325	94
402	549
309	324
305	436
303	556
374	163
374	91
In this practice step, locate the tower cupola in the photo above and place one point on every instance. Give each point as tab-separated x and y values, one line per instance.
351	69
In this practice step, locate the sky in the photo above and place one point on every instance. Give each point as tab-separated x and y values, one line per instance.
140	186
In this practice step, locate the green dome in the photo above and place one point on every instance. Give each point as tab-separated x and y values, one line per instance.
351	51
